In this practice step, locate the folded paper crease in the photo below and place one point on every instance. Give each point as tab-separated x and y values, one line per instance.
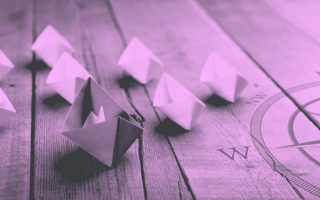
94	124
5	65
177	102
222	78
140	62
50	45
6	108
67	77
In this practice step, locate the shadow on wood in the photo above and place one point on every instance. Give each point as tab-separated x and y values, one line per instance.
217	101
127	82
38	65
124	115
55	101
170	128
78	166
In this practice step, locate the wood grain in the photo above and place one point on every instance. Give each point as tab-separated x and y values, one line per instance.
15	133
302	14
63	170
182	36
286	53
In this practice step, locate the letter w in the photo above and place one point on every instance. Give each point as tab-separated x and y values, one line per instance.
234	152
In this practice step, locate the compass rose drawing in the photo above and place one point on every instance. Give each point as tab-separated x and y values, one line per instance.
290	142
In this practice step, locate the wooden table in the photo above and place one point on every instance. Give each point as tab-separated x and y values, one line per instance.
275	44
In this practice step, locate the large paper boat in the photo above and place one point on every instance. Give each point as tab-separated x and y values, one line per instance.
6	108
140	62
177	102
50	45
222	78
5	65
67	77
94	124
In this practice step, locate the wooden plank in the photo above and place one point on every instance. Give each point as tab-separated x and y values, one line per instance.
283	51
15	133
302	14
286	54
182	35
62	170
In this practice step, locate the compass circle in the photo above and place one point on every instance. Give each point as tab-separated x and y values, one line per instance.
258	141
292	133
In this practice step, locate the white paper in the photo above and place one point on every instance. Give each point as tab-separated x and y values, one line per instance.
140	62
5	65
50	45
94	119
6	108
222	78
177	102
67	77
104	134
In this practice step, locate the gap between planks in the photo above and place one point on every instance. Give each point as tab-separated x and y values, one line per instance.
33	100
129	99
141	120
261	68
290	97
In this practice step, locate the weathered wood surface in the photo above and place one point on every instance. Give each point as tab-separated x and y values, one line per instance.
63	170
166	162
15	133
102	48
286	52
304	15
283	51
99	52
183	40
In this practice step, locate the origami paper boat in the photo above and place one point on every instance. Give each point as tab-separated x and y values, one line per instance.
178	103
5	65
94	124
222	78
67	77
140	62
6	108
50	45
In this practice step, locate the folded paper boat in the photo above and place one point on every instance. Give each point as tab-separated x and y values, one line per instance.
177	102
140	62
222	78
67	77
6	108
94	123
5	65
50	45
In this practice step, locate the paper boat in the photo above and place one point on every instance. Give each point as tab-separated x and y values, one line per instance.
94	124
5	65
67	77
6	108
222	78
178	103
140	62
50	45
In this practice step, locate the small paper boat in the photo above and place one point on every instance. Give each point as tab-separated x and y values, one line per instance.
222	78
178	103
94	124
5	65
67	77
6	108
50	45
140	62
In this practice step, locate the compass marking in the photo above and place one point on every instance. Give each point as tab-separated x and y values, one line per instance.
236	151
255	130
314	113
305	144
